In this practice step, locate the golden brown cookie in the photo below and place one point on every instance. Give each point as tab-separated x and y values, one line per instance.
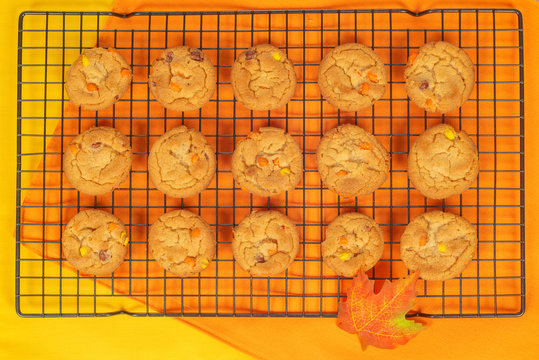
352	77
181	162
265	243
351	161
263	78
443	162
438	244
95	242
182	242
354	242
182	78
98	160
97	79
440	77
267	162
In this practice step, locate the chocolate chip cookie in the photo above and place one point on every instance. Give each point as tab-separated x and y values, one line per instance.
182	242
352	77
443	162
181	162
351	161
95	242
265	243
438	244
182	78
268	162
263	78
440	77
97	79
98	160
354	242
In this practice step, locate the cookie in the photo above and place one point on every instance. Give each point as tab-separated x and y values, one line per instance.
354	242
97	79
263	78
95	242
440	77
443	162
182	78
352	77
268	162
438	244
182	242
351	161
265	243
98	160
181	162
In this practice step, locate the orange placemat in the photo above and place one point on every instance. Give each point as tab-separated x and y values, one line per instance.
127	279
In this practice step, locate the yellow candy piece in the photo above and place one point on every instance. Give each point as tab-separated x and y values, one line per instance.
449	133
83	251
442	248
276	56
344	256
85	60
285	171
122	235
204	263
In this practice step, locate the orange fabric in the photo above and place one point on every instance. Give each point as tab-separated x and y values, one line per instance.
284	338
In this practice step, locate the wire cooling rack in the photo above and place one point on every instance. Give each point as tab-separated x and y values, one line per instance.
46	285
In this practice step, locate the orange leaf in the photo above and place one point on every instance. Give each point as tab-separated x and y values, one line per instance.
379	319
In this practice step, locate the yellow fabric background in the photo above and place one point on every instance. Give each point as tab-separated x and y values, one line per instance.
122	336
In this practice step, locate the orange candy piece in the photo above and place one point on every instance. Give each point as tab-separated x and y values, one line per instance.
343	240
276	161
364	88
372	77
196	233
262	161
175	86
365	146
91	87
272	251
190	261
74	149
422	240
194	158
342	172
126	73
112	227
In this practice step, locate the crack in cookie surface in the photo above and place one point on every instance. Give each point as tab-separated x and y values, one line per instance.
95	242
263	78
440	78
181	162
439	166
352	77
354	242
182	242
98	160
352	161
268	162
181	81
438	244
265	243
97	79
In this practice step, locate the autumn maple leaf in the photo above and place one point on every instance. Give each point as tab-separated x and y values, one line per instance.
379	319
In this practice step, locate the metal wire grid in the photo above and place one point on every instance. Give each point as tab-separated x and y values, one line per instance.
301	291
